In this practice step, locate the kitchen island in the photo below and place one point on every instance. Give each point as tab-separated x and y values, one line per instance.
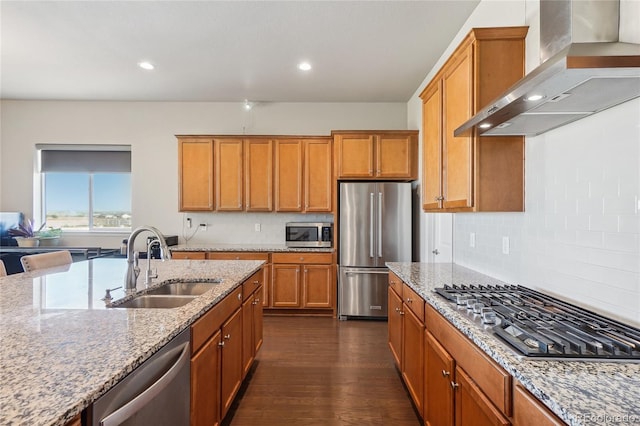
62	348
578	392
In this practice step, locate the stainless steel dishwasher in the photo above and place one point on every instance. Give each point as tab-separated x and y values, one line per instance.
155	393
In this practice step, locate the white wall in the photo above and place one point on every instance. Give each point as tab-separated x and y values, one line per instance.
579	236
149	127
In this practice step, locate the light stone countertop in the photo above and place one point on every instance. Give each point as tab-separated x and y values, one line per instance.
579	392
61	348
275	248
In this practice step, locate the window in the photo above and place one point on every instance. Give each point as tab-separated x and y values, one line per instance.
86	188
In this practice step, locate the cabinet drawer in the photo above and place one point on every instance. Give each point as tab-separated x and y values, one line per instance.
236	255
395	283
413	301
528	411
302	257
193	255
492	379
211	321
251	284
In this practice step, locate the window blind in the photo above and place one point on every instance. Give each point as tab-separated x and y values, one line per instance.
94	159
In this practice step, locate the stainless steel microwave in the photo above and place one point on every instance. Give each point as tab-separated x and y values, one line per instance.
308	234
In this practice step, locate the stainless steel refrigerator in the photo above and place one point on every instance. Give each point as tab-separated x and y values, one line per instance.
375	227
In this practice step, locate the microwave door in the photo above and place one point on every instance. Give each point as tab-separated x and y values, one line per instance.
302	233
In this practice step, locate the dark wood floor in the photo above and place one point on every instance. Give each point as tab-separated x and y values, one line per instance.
322	371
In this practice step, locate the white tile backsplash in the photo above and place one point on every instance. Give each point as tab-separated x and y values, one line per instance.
579	237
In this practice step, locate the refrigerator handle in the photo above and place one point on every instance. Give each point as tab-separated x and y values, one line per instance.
371	220
379	224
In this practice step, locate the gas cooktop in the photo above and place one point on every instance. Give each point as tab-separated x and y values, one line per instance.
538	325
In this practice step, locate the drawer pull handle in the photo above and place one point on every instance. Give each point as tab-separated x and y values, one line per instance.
445	373
454	385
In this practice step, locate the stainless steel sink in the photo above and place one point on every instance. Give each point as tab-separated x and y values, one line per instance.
184	288
169	295
156	301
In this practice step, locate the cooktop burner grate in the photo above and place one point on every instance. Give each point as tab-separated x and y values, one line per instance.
539	325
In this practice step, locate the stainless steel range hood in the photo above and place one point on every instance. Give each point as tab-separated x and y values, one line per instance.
584	70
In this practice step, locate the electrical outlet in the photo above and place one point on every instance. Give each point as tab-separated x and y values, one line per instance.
188	222
256	227
203	226
472	239
505	245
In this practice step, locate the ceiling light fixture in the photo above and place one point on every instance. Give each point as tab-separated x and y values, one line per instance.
146	65
304	66
248	105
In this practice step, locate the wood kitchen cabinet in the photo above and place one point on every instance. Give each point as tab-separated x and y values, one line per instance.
303	281
303	175
406	337
528	411
188	255
470	172
258	175
376	155
195	174
262	277
463	386
231	361
251	320
228	160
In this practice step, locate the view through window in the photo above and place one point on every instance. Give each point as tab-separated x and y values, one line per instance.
88	201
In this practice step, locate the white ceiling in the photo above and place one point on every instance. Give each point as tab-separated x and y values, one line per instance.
361	51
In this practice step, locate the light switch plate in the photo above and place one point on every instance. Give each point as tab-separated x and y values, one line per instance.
256	227
472	239
505	245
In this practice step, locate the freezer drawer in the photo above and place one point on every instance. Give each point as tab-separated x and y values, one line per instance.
362	292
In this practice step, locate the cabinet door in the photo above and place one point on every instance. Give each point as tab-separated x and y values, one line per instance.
457	151
317	175
257	320
472	406
195	171
248	352
231	371
395	156
317	286
288	175
285	282
187	255
413	356
395	326
438	394
205	384
229	174
432	147
258	161
355	156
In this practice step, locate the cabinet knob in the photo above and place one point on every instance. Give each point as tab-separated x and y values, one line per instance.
445	373
237	257
239	296
221	344
454	385
227	337
397	309
435	251
256	282
409	300
401	312
301	258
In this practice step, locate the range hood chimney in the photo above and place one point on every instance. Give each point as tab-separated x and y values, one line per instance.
584	70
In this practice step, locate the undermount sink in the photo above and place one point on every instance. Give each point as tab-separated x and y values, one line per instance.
169	295
184	288
156	301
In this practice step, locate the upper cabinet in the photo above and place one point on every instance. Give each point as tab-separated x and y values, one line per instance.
382	155
195	171
472	173
303	178
259	174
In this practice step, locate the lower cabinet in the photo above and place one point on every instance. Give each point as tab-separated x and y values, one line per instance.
528	411
406	338
220	356
303	281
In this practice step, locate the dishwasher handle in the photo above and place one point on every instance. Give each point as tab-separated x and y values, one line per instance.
136	404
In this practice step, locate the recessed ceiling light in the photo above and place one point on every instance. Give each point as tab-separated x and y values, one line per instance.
248	105
304	66
146	65
485	125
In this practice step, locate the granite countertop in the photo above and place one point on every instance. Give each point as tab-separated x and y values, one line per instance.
579	392
275	248
62	348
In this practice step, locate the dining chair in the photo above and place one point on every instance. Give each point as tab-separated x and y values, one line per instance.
35	262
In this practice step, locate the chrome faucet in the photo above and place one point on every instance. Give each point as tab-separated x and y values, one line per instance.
133	270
